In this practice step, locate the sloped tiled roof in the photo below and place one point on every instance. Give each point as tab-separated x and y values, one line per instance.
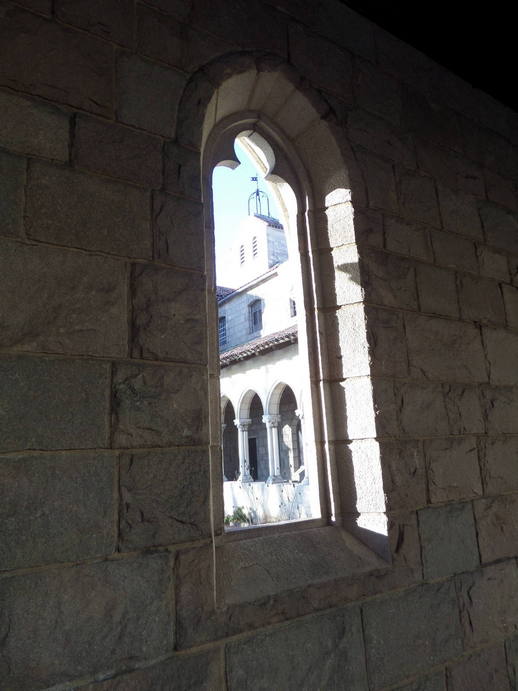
222	292
259	346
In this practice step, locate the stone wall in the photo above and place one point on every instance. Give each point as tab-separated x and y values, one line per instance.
107	578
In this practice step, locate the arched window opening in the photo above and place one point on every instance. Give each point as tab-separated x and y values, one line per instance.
230	450
264	357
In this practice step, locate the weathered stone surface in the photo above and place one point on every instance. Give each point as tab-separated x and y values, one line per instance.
404	477
481	300
164	38
502	351
148	95
66	623
484	670
64	65
459	212
343	264
488	603
511	305
54	300
500	190
169	320
182	170
498	463
111	19
164	497
377	92
422	410
201	671
35	128
378	136
497	523
437	290
53	404
453	469
500	405
56	508
463	408
75	209
380	181
118	151
407	633
407	238
388	279
454	251
403	535
177	8
454	171
429	338
12	181
500	226
448	540
333	637
493	264
226	21
419	199
431	120
511	649
42	6
178	227
385	334
157	405
435	682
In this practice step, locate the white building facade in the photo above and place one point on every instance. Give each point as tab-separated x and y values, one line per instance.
266	441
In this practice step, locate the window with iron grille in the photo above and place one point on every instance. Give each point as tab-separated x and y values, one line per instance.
256	316
242	254
254	246
222	331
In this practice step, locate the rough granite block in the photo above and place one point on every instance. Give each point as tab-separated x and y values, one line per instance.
488	603
381	138
502	351
459	212
169	320
454	251
110	19
498	462
418	199
334	637
429	338
409	632
178	228
448	540
388	279
493	265
510	294
182	171
66	207
64	65
53	403
377	91
62	624
500	405
482	671
155	405
56	508
453	469
387	343
118	151
497	523
437	290
463	408
32	127
481	300
500	226
148	95
12	181
199	671
435	682
407	238
422	410
380	181
164	497
60	301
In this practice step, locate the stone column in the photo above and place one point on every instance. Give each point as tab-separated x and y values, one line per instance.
272	422
223	428
296	474
244	463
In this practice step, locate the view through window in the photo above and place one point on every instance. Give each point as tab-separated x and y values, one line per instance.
268	450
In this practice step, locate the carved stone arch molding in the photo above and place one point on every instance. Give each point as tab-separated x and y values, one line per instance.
265	97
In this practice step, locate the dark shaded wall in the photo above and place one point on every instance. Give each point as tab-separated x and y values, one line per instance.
105	524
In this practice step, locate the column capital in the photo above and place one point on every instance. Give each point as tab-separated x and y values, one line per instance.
271	420
243	423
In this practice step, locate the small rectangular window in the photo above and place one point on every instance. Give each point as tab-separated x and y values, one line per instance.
254	246
242	254
222	330
256	316
293	308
